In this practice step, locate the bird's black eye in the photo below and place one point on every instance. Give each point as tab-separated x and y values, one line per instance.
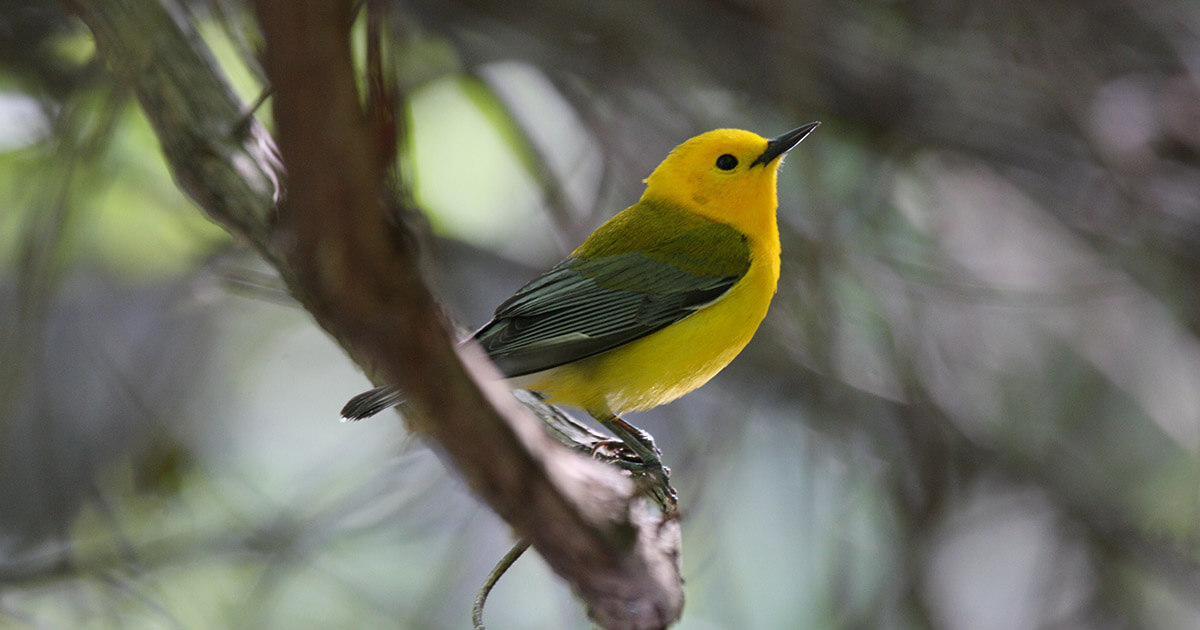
726	162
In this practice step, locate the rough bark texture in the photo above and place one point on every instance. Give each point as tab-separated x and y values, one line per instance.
356	271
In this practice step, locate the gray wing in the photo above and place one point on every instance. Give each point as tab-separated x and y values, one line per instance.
576	309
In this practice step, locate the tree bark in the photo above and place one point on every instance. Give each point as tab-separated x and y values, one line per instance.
335	239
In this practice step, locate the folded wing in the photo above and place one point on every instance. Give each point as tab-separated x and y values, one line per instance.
583	307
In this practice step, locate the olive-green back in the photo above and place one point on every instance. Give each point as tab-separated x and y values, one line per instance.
645	269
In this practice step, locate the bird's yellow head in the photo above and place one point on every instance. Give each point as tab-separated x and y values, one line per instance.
727	175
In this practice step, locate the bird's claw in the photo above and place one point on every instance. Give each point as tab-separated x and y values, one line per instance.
652	477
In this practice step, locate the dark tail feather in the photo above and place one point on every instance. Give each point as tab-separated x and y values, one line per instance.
372	402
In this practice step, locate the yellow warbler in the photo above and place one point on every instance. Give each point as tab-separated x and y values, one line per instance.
657	300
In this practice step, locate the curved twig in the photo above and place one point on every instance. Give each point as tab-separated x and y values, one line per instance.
494	576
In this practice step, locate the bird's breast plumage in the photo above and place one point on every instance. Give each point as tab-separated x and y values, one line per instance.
674	360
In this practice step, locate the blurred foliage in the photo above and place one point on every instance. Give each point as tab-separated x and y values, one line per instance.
975	403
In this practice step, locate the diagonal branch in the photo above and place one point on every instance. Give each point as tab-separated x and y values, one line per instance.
357	273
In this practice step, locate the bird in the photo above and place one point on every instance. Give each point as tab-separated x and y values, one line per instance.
656	301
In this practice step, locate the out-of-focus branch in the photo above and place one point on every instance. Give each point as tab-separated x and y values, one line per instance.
356	272
220	157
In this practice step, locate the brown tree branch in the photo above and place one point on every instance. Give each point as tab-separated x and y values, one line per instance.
357	273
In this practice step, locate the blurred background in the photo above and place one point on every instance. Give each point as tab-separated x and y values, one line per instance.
975	403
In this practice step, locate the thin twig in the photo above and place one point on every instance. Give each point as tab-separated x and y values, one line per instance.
497	571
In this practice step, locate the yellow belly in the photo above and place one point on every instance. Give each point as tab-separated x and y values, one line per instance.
663	366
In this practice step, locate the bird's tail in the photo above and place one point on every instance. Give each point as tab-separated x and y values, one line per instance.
371	402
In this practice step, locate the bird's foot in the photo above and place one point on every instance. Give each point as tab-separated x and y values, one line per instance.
636	452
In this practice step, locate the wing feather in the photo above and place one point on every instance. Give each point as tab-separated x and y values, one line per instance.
583	307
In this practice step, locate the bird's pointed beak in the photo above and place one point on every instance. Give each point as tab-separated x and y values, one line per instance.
782	144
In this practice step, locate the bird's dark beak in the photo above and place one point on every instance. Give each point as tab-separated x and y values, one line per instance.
778	146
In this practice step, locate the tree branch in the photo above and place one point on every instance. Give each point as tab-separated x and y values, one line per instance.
356	271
